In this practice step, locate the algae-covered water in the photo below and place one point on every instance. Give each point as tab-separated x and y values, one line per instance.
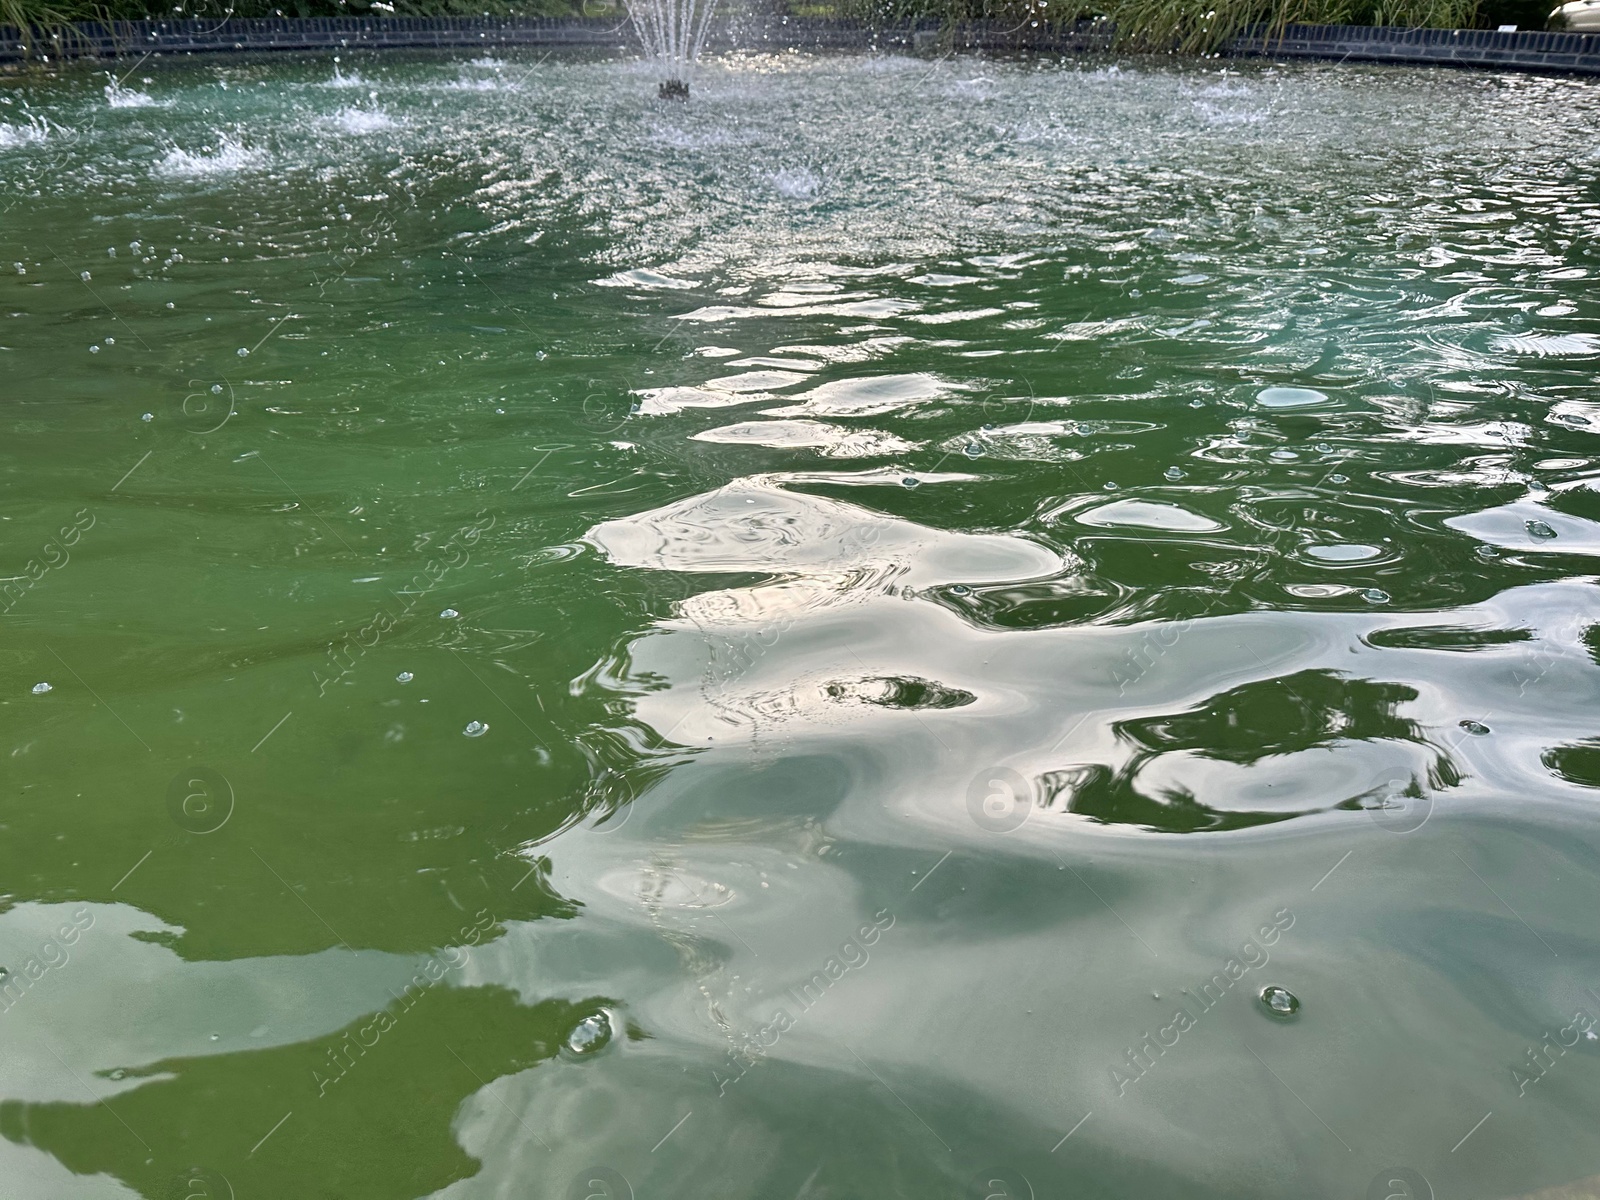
830	641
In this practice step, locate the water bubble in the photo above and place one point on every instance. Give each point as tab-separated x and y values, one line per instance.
1324	448
1280	1002
147	417
1197	404
170	304
989	428
111	341
243	353
960	589
1375	596
973	450
1338	479
1488	552
449	614
475	729
85	276
1475	728
1538	529
591	1034
910	481
39	689
216	389
1173	473
94	349
1110	486
404	677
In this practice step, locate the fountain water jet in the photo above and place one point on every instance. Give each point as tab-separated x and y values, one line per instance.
672	32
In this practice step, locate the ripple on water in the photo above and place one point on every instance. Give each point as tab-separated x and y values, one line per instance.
833	441
1343	552
867	396
1545	345
1148	514
1290	397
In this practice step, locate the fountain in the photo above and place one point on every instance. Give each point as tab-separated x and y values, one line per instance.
672	32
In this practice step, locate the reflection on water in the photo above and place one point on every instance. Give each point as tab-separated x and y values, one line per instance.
858	520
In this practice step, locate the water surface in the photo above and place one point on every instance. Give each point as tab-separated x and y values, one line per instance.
826	641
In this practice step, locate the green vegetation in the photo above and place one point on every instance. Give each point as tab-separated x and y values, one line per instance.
1202	26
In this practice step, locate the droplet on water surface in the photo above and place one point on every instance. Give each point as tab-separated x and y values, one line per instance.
404	677
40	689
1476	728
1375	596
147	417
592	1033
1280	1002
243	353
973	450
1538	529
1488	552
1338	479
1173	473
475	729
1110	486
449	614
216	389
910	481
960	589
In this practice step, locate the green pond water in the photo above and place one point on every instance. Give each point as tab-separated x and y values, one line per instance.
828	641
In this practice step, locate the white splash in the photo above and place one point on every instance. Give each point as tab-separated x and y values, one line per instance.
23	135
341	80
361	120
229	156
118	96
796	183
481	85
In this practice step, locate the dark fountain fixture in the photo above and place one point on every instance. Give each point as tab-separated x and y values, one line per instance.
672	32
